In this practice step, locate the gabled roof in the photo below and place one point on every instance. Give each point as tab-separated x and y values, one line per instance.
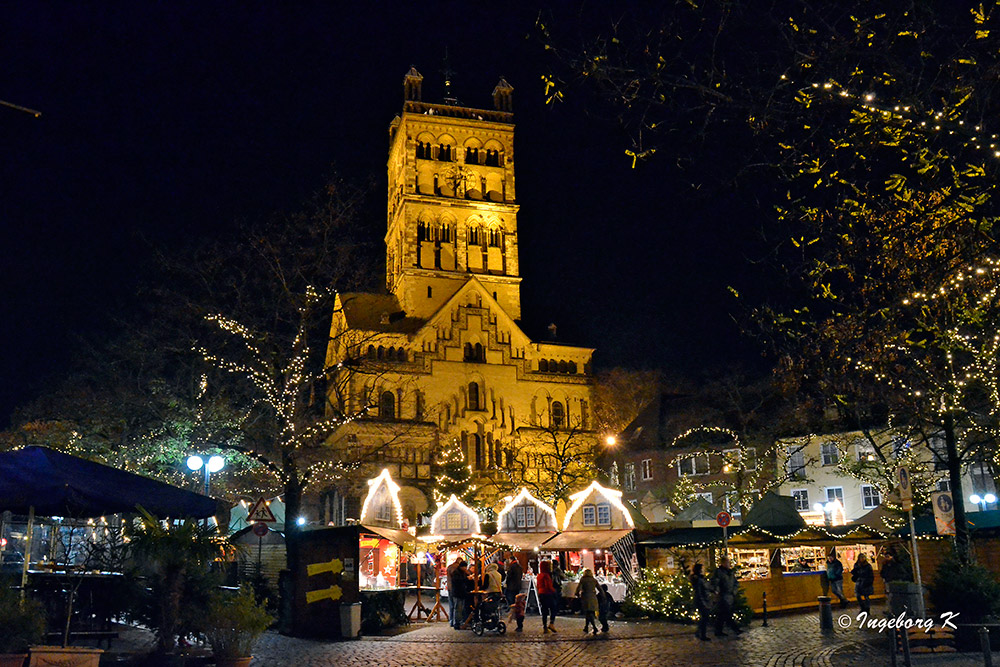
377	312
443	314
774	511
699	510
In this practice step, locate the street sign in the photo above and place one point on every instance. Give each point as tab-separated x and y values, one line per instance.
260	512
723	519
944	513
260	529
905	490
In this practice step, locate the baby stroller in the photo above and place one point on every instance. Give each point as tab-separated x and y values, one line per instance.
488	616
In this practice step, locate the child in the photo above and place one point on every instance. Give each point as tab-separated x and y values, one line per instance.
603	606
517	610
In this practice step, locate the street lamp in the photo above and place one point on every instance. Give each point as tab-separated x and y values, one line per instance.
983	501
611	441
214	464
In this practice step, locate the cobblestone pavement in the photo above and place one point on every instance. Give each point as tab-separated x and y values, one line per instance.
788	641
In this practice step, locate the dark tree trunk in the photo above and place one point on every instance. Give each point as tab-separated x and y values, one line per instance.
962	549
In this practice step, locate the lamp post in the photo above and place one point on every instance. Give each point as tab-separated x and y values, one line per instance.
983	501
214	464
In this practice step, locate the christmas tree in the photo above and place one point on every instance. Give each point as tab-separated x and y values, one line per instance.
453	475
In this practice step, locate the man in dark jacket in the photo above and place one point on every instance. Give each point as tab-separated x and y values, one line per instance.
702	600
724	582
512	582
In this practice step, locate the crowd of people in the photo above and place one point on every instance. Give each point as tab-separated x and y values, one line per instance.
502	581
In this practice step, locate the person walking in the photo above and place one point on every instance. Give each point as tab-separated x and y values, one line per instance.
835	575
864	582
512	582
702	599
587	592
517	610
603	607
724	582
546	596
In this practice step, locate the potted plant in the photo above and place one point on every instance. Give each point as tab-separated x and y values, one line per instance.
21	625
232	625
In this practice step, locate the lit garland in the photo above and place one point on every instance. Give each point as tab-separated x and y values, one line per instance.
383	480
454	504
612	496
454	475
518	500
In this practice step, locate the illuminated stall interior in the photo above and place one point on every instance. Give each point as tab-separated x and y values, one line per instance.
381	542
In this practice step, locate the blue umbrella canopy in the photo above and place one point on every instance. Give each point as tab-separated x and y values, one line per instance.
58	484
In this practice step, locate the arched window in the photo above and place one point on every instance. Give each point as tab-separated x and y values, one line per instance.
543	366
371	351
489	450
445	233
390	354
380	352
474	396
572	367
400	354
479	353
468	352
563	367
387	405
558	415
421	231
475	236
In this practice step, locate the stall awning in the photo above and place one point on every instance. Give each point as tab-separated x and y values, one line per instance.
395	536
576	540
522	541
57	484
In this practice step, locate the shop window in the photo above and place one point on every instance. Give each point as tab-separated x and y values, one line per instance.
647	469
801	497
829	453
630	477
558	415
589	515
870	497
387	405
604	514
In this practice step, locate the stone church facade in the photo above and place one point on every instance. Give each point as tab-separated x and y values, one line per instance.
439	360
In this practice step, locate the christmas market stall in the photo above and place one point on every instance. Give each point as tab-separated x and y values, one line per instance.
774	552
523	525
354	565
597	534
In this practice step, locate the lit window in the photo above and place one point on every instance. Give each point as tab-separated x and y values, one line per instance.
865	450
647	469
835	493
801	497
870	497
589	515
604	514
829	453
630	477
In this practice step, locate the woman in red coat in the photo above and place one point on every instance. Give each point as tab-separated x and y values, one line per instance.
546	595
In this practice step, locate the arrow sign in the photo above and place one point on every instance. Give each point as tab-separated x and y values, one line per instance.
260	513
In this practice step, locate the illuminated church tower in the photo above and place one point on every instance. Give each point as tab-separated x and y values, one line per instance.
439	362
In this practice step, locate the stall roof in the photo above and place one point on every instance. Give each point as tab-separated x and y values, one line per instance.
574	540
756	536
522	541
924	525
58	484
399	537
686	536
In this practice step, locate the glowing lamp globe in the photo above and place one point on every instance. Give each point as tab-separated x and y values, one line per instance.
990	498
975	498
195	462
215	463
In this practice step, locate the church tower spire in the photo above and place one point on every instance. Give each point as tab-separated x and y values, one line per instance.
452	211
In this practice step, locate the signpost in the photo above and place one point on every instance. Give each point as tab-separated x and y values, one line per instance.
724	519
906	500
260	515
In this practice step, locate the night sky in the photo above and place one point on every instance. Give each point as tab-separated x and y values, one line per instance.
166	122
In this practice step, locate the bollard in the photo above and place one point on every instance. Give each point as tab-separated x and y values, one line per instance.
825	613
764	609
984	641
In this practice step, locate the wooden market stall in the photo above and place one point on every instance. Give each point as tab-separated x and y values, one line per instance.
597	534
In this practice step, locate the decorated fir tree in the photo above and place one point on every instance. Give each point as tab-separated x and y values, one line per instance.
453	475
